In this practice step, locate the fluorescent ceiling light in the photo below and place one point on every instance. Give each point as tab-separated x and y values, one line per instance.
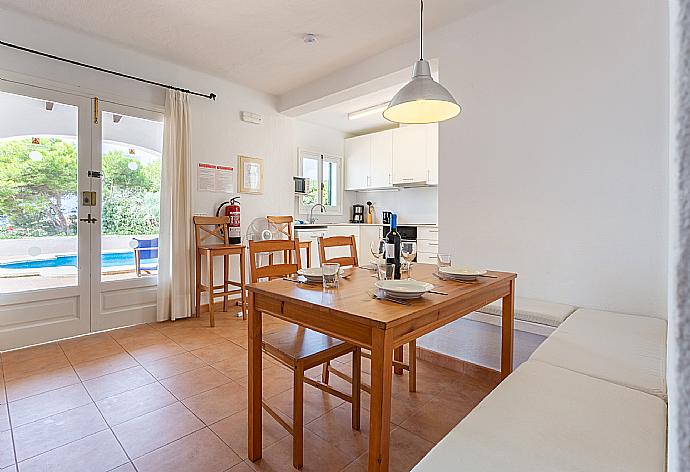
367	111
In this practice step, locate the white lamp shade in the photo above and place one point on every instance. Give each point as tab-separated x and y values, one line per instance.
422	100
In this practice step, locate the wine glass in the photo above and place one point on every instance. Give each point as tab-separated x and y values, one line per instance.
377	248
408	251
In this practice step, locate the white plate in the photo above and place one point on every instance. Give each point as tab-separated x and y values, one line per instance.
311	272
456	271
404	287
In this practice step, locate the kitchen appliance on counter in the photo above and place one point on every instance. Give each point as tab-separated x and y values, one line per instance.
357	214
387	217
408	238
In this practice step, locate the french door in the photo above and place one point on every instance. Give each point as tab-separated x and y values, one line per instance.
79	206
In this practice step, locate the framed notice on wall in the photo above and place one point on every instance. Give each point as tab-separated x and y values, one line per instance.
215	178
251	174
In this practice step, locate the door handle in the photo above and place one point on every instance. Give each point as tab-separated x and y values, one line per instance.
88	219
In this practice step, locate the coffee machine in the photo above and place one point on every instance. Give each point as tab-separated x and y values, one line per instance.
357	214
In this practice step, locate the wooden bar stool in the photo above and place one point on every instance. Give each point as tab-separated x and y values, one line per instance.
284	226
300	349
211	236
398	355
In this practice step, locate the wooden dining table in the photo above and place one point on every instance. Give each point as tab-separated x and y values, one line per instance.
350	313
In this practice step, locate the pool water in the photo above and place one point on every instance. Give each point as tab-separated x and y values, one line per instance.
110	259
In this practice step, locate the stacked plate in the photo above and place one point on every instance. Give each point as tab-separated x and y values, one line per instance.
403	289
312	274
464	274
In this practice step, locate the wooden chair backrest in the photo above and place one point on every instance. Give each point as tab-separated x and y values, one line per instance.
339	241
273	271
283	224
211	230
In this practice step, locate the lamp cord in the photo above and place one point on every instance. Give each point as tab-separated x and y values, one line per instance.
421	30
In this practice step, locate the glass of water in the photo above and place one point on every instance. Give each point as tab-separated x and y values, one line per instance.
443	260
386	270
331	274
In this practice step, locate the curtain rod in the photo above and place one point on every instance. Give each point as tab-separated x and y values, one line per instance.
210	96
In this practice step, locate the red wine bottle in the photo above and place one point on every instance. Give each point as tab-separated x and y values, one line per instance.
393	246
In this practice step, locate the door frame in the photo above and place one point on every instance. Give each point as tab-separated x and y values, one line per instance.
45	329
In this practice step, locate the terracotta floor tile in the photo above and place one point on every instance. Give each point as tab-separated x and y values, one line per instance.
435	419
133	403
197	340
335	427
218	403
151	338
93	348
4	418
220	351
194	382
276	380
47	404
201	451
39	383
6	449
104	365
128	467
233	431
131	332
237	368
35	365
11	468
319	456
406	451
99	452
46	434
173	365
241	467
118	382
21	355
156	351
146	433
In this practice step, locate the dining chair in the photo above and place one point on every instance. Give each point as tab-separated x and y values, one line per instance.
284	225
301	349
145	249
398	355
212	240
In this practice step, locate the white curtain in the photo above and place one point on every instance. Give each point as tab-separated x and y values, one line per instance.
175	276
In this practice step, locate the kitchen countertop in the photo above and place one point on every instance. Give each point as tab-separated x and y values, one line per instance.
317	224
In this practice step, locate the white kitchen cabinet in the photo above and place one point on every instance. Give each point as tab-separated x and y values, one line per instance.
415	154
427	244
432	153
369	161
342	230
357	162
381	174
367	235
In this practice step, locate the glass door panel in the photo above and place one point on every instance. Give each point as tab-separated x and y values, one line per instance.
131	163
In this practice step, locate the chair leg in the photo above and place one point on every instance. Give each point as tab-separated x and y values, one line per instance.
243	287
398	355
211	315
298	418
197	301
325	372
356	387
226	273
413	365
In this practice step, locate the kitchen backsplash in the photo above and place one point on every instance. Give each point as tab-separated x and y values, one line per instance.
413	205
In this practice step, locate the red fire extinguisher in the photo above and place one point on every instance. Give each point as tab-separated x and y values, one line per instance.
233	211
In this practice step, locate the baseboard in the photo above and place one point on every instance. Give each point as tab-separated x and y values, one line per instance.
457	365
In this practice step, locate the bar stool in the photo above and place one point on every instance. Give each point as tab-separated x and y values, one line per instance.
211	236
398	355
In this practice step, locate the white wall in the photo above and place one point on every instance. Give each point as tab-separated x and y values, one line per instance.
557	168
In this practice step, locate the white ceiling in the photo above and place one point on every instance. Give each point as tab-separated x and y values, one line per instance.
254	42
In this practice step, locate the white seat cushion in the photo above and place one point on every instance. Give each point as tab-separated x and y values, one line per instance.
545	418
626	349
535	311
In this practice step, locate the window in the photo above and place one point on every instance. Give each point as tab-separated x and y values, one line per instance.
324	183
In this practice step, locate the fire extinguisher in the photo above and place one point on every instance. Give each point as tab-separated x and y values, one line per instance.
233	211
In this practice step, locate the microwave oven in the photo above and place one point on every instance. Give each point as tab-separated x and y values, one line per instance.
301	185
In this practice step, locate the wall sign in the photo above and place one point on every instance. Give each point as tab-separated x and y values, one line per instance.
215	178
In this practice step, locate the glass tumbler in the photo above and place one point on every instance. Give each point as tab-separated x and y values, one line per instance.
331	274
386	270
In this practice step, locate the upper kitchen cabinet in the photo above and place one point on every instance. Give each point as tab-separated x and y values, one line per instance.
368	161
357	162
415	155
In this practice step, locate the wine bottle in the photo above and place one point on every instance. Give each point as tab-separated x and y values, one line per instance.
393	246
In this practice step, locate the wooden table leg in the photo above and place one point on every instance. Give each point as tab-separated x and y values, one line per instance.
380	407
507	332
254	383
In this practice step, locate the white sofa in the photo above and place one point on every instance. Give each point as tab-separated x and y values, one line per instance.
581	403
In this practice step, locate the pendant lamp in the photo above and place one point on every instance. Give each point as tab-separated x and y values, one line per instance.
422	100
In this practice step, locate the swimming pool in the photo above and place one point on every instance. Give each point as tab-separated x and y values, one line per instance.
110	259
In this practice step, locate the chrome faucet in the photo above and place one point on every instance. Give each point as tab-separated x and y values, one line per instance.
312	218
